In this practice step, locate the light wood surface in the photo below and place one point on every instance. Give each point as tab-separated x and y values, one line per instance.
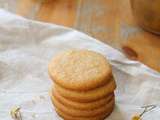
110	21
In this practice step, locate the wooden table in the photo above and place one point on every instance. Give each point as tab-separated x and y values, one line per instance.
110	21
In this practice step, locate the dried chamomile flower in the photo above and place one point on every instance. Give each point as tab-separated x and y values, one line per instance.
146	109
136	117
15	113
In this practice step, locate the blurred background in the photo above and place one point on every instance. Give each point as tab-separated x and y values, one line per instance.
110	21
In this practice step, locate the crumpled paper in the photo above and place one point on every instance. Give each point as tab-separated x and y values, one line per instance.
26	47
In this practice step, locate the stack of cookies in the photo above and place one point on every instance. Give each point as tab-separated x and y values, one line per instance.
83	86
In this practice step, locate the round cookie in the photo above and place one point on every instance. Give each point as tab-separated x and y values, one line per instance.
87	68
83	113
83	106
86	96
69	117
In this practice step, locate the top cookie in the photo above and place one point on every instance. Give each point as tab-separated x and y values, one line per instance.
80	70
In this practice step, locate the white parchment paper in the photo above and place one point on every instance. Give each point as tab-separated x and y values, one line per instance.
26	47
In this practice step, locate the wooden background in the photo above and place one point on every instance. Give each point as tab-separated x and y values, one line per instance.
110	21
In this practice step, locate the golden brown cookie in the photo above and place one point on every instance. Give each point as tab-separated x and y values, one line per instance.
83	113
69	117
82	106
80	70
86	96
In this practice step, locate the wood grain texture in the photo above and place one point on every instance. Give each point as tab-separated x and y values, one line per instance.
58	11
110	21
26	7
147	49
